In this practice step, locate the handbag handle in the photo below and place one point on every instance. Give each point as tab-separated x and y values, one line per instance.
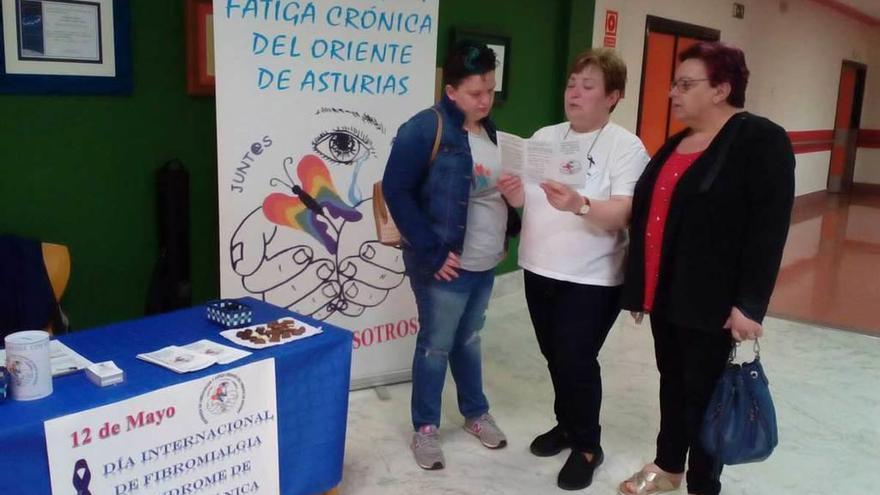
756	347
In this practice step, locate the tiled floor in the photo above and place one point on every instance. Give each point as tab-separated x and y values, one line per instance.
824	384
831	268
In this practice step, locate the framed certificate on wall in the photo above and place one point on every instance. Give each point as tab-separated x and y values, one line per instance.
65	46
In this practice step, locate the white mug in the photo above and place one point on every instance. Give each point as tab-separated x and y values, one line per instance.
28	364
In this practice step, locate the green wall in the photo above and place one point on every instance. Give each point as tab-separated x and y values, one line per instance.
81	170
545	35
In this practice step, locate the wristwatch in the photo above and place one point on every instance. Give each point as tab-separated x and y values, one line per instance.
585	207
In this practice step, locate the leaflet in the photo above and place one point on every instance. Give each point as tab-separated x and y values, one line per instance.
538	161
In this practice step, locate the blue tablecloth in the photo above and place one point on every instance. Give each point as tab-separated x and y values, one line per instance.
312	377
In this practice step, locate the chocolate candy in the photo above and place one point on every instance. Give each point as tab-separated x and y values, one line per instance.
274	331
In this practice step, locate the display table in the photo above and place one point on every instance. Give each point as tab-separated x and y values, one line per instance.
312	382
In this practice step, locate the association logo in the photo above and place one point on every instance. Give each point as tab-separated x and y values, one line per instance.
571	167
23	371
224	394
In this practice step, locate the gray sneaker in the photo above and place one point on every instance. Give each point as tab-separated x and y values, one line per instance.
426	448
484	428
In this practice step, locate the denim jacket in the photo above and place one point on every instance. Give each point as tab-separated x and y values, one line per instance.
429	201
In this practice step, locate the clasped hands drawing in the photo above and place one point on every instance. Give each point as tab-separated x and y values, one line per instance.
306	248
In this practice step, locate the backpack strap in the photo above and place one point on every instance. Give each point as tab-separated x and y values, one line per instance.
437	136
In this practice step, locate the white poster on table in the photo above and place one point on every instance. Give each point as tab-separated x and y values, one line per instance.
217	434
309	97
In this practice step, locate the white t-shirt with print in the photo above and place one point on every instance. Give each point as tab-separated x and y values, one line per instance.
563	246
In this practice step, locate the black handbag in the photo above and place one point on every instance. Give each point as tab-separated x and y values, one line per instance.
740	423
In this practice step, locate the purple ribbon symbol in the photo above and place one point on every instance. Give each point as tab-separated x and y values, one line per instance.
81	483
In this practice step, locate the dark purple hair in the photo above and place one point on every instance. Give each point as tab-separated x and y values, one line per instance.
724	64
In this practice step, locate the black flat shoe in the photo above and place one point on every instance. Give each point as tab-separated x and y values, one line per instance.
577	473
550	443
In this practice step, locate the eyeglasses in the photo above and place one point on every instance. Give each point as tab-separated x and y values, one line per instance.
684	84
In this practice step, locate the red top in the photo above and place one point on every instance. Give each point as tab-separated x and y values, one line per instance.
670	173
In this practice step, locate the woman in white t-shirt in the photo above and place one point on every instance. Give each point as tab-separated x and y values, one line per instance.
572	249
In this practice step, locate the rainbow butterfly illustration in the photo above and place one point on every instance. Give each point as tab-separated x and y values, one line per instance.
308	207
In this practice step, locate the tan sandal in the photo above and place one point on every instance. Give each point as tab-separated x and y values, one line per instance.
649	483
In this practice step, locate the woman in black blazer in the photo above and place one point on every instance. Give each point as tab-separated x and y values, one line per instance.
709	223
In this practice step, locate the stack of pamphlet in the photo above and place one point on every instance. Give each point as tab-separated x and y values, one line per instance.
193	357
105	373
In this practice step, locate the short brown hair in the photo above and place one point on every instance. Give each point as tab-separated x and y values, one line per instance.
612	66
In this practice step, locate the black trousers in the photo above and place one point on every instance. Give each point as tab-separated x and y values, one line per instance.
571	322
690	362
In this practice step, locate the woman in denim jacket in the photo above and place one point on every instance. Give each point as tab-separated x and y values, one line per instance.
453	221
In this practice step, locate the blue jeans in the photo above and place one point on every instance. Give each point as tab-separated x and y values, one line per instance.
450	317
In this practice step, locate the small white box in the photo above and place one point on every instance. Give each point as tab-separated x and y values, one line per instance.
105	373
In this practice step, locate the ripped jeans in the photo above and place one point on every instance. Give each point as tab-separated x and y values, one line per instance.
450	317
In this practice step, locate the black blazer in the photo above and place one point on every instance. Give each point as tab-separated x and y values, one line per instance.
727	225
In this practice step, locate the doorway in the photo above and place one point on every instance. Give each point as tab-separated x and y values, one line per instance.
846	127
665	39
